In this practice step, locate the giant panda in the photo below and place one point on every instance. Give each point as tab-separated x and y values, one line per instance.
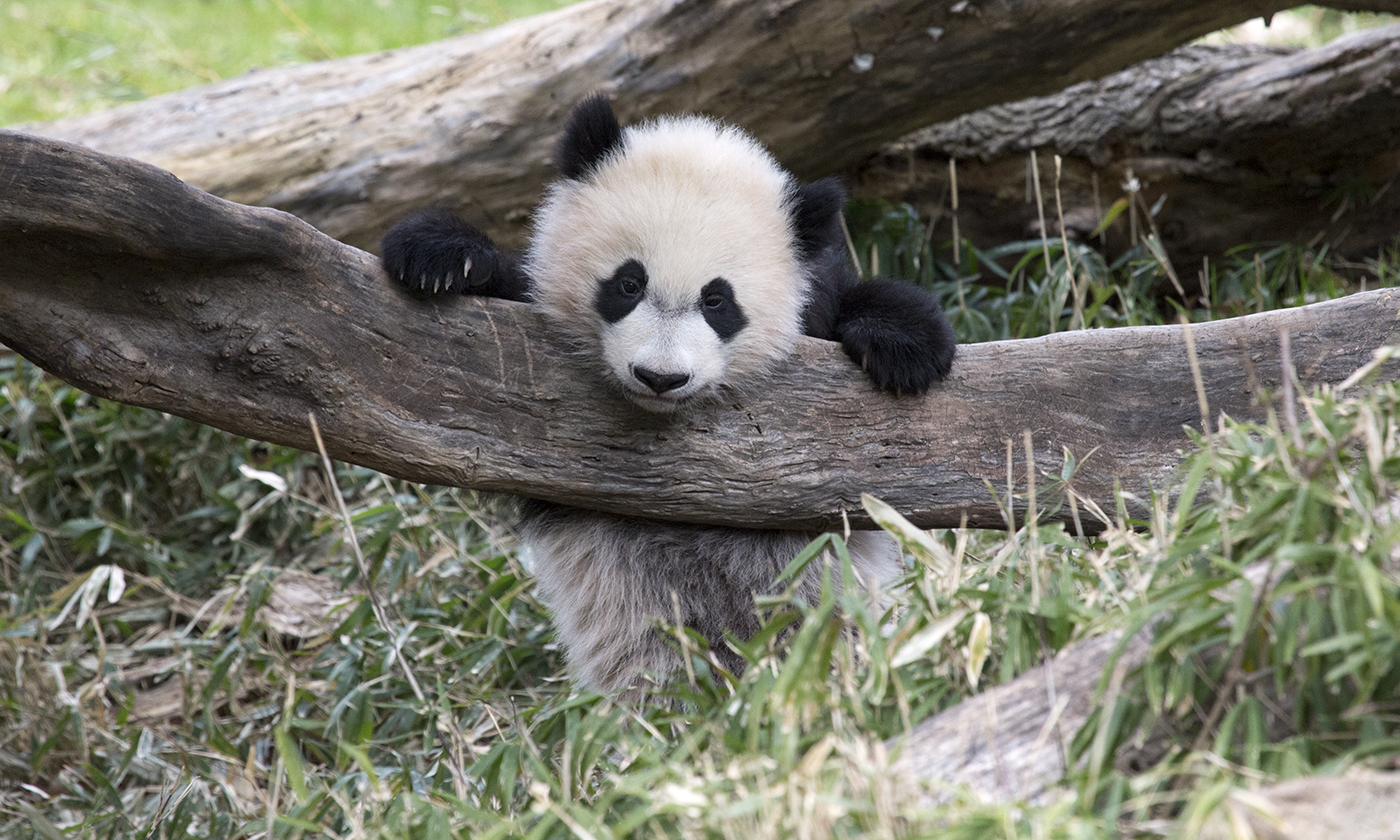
681	261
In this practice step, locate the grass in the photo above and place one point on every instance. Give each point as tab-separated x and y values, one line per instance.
1029	288
190	647
59	58
1305	26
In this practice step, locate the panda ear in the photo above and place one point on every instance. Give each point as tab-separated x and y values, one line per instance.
591	135
816	215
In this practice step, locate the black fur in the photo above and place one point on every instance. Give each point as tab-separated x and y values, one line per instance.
816	219
816	216
897	333
832	274
619	294
427	252
591	136
893	330
722	312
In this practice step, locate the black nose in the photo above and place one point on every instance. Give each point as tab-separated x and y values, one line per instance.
660	382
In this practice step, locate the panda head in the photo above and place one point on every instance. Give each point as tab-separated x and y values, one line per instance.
670	253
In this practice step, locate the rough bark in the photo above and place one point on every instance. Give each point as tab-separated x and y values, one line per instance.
1246	144
1011	742
1361	805
1008	743
351	145
134	286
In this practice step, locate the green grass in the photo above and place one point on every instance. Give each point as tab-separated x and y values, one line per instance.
1305	26
64	57
1025	289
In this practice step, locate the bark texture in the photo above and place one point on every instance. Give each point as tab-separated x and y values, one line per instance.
351	145
1010	742
1361	805
130	284
1245	144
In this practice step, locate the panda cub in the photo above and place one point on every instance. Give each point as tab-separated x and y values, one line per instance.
682	260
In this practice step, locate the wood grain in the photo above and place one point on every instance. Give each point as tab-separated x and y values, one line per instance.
1009	742
132	285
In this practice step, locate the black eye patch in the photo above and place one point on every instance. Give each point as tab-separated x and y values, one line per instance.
619	294
722	312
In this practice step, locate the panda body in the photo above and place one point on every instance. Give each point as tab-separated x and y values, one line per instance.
681	262
608	579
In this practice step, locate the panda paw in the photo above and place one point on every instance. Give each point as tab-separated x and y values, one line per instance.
897	334
433	251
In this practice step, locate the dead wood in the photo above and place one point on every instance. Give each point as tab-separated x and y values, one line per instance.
1360	805
134	286
1244	144
351	145
1010	742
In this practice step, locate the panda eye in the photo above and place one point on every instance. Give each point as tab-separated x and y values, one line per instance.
720	310
619	294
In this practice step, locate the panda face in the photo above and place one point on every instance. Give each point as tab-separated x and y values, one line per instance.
674	263
663	348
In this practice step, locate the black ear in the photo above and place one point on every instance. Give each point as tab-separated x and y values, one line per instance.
591	135
816	214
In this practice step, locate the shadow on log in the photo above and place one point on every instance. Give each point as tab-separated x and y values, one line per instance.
130	284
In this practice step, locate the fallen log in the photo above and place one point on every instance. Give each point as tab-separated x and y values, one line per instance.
1012	742
1009	743
352	145
1362	804
1243	144
134	286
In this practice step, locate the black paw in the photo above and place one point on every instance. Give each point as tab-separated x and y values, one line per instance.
433	251
897	334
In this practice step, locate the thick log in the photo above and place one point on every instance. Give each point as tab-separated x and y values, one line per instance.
351	145
1246	144
1009	742
1361	805
132	285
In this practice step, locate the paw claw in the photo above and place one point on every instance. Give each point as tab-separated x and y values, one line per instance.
432	252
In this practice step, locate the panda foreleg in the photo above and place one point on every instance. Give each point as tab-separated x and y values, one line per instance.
433	251
897	333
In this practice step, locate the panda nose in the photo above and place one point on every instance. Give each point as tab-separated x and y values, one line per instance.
660	382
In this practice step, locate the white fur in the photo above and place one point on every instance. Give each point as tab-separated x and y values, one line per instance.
691	200
609	579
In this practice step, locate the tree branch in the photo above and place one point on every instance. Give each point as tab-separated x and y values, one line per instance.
126	282
1247	144
352	145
